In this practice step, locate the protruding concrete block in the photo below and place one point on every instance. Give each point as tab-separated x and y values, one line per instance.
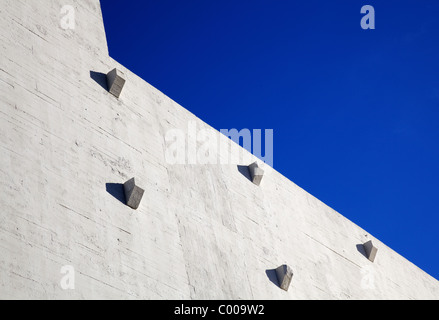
370	250
256	173
115	82
133	194
284	276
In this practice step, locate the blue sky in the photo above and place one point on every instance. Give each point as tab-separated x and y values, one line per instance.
355	112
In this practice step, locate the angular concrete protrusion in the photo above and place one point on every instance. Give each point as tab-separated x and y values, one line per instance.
370	250
284	275
133	194
256	173
115	82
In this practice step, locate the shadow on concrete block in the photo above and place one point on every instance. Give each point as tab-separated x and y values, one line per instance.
100	78
245	172
256	173
133	194
115	82
360	249
371	250
271	274
284	275
116	190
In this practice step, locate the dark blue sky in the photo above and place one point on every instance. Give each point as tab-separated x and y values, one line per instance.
355	112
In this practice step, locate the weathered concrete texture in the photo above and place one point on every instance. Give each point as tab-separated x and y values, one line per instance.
205	232
284	276
133	193
115	82
256	173
370	250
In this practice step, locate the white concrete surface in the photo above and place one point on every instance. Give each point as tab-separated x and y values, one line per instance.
201	231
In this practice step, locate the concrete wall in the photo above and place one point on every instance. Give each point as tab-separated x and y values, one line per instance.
201	231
